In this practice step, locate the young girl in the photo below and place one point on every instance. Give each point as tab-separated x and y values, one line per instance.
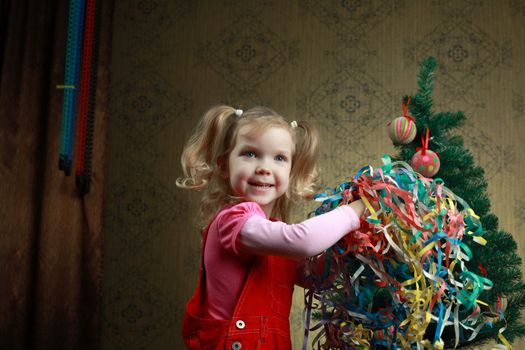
253	167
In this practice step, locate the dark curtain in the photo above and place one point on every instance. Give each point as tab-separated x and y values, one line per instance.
50	236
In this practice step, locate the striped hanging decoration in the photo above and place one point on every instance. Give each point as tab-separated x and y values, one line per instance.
88	83
69	105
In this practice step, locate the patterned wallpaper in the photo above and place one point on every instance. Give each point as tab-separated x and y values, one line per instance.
343	65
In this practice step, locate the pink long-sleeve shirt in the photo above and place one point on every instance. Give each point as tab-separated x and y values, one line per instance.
241	231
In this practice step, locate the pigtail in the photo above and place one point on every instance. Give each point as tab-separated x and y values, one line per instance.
202	150
303	176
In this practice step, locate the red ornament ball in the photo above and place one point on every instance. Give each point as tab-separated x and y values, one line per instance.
402	130
426	164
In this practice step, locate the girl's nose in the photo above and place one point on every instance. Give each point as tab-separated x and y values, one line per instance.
262	171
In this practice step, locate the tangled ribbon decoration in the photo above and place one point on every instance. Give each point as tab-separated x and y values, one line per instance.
400	280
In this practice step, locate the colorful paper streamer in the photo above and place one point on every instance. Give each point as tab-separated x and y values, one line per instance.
401	279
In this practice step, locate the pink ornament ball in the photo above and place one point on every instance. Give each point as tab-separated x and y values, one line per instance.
402	130
426	164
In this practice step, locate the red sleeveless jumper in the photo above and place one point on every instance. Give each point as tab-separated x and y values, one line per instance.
261	317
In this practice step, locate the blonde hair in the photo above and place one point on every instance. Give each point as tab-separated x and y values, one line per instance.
207	151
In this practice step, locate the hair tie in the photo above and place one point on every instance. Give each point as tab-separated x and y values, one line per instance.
238	112
293	124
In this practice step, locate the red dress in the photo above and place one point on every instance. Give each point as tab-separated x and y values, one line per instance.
261	317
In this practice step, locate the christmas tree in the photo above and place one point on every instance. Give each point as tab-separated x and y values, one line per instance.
428	267
498	259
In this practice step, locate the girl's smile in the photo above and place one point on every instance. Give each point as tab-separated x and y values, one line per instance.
260	185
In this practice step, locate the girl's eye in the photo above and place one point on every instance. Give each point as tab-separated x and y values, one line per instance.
250	154
281	158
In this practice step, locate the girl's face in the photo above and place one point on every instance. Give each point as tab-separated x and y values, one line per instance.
259	166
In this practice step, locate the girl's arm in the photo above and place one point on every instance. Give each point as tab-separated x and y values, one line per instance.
308	238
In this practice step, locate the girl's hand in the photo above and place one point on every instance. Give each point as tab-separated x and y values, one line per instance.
358	207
